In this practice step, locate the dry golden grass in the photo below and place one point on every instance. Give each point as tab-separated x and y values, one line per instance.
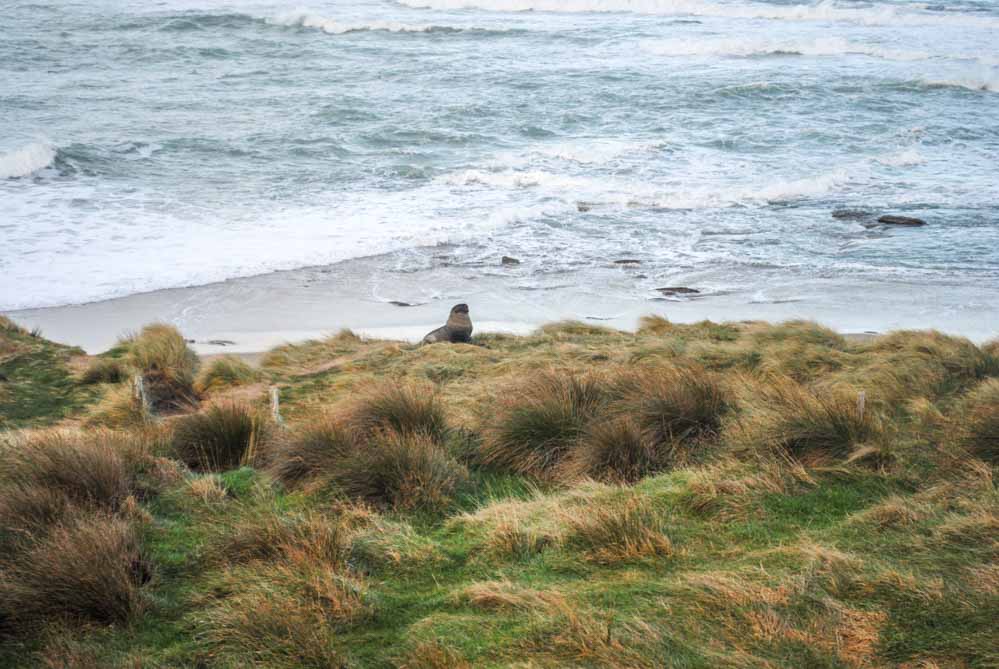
784	416
88	566
537	423
223	436
312	450
119	409
623	532
168	366
302	537
104	370
399	407
409	471
432	655
225	372
505	595
978	429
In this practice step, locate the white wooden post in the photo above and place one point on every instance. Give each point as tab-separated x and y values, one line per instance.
276	406
139	393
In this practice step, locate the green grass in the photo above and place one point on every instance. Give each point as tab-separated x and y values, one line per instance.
746	555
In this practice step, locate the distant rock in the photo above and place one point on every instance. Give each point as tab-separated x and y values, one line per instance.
509	260
891	219
852	214
220	342
583	207
678	290
457	329
400	303
628	261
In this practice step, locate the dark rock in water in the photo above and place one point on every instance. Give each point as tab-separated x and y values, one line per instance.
400	303
220	342
628	261
509	260
852	214
891	219
190	341
458	328
583	207
678	290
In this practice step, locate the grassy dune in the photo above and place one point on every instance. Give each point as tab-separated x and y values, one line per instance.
707	495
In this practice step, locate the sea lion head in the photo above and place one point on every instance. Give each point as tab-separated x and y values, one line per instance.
459	309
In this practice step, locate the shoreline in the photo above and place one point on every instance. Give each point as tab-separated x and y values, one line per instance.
257	313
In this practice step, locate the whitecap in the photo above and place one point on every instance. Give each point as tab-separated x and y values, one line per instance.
26	160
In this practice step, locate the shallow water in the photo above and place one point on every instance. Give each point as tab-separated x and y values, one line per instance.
156	145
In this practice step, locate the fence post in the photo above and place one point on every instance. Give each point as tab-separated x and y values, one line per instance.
861	402
139	394
276	406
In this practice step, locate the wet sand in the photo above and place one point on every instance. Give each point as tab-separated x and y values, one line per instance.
258	313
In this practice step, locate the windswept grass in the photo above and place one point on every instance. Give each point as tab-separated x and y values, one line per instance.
690	495
535	425
223	436
225	372
168	366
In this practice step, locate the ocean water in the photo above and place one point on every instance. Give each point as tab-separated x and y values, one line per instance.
148	145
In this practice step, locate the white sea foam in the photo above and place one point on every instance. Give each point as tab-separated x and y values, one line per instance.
827	10
305	19
26	160
907	158
742	47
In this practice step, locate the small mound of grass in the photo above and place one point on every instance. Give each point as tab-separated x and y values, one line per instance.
536	426
222	437
402	408
119	409
311	451
168	366
979	427
625	532
225	372
104	370
88	567
613	450
784	415
402	471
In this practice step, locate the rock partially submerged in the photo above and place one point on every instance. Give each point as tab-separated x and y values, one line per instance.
509	260
458	328
891	219
852	214
628	261
670	291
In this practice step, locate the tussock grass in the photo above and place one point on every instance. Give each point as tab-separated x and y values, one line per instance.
402	408
506	595
615	450
225	372
104	370
433	655
223	436
312	450
632	530
168	366
119	409
535	426
94	469
265	536
87	566
783	415
403	471
979	421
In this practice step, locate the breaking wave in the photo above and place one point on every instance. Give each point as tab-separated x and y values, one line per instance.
306	19
823	46
26	160
827	10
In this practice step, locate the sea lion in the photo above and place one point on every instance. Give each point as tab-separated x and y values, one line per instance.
457	329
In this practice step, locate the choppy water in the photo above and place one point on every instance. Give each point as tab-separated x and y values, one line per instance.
146	145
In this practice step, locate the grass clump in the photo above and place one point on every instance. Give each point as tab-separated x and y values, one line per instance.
535	427
222	437
615	450
402	408
979	426
104	370
225	372
312	450
88	566
786	416
626	532
168	366
408	471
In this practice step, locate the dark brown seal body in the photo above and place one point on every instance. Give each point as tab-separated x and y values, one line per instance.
457	329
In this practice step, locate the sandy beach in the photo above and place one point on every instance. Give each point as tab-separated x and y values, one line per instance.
258	313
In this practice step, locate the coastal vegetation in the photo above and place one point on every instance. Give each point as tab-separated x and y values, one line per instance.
702	495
